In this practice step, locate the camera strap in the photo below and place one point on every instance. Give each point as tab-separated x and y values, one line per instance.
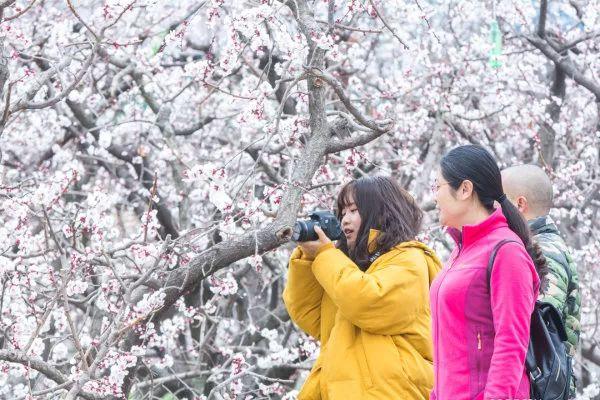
374	256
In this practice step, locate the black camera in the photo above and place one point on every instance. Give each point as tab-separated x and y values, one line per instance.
304	231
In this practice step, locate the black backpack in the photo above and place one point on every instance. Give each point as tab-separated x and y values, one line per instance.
548	362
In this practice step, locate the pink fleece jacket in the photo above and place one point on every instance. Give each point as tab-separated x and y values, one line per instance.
480	339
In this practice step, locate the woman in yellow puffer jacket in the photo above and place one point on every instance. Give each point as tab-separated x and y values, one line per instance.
367	301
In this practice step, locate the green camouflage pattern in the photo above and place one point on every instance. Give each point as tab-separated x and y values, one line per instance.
562	283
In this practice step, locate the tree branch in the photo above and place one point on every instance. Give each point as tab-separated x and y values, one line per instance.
66	91
183	280
591	352
377	126
48	370
567	65
547	133
541	29
194	128
76	14
7	3
575	42
458	127
23	11
336	146
4	71
388	25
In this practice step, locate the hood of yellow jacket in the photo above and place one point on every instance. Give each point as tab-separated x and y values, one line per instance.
434	265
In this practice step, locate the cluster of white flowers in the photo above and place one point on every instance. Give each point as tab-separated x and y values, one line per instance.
223	286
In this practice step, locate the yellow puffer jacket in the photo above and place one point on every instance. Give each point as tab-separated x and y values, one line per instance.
374	326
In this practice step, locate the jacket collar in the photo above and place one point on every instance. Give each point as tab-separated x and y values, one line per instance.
372	246
543	224
472	233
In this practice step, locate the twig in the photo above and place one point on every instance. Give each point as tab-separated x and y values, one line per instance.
7	3
427	21
381	126
232	378
48	370
575	42
387	25
23	11
82	21
352	28
166	379
64	93
150	202
113	23
63	293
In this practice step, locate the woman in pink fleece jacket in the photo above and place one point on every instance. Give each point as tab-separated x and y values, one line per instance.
480	338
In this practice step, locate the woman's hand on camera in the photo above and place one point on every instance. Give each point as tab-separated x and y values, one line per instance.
310	249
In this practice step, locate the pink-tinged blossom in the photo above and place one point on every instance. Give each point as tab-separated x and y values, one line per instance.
224	286
76	287
149	303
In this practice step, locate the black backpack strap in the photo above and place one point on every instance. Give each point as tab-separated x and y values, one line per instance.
530	363
493	258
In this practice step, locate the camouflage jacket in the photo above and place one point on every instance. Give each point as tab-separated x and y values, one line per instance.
562	286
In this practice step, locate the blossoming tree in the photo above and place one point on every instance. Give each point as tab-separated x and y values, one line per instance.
156	154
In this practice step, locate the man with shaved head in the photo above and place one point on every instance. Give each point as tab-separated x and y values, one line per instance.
530	189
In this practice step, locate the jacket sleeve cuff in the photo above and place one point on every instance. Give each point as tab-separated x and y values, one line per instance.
298	254
324	248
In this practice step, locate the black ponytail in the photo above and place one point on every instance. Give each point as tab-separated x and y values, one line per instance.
476	164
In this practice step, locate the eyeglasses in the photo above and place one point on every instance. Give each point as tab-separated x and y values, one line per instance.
436	186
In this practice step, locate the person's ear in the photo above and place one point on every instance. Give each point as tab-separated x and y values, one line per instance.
465	190
522	204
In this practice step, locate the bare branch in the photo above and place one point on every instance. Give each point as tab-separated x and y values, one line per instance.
575	42
547	132
4	71
43	367
351	28
591	352
76	14
388	25
7	3
163	380
427	22
331	14
39	81
194	128
23	11
377	126
63	93
541	29
458	127
566	64
336	146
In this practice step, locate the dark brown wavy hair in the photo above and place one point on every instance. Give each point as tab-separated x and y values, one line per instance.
383	205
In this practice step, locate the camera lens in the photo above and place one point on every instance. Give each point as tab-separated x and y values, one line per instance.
299	231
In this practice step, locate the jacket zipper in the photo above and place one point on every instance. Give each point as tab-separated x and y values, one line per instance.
437	309
479	347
